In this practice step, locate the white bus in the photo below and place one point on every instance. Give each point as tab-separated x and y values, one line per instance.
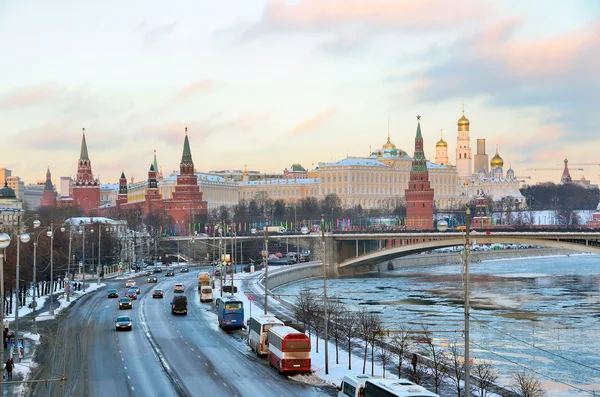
394	388
258	332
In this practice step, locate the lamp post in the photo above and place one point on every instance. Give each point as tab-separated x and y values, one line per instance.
220	260
4	242
82	232
325	294
467	292
68	278
50	233
266	264
35	244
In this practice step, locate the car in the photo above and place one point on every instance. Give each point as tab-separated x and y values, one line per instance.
184	269
158	293
178	288
123	322
131	294
130	283
157	269
136	289
170	273
113	293
125	303
152	279
149	272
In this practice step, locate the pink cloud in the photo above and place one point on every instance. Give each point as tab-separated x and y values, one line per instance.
27	97
314	122
325	14
198	87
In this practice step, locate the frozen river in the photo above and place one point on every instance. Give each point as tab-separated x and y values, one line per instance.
537	313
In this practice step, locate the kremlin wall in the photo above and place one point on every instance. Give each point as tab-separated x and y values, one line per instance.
381	180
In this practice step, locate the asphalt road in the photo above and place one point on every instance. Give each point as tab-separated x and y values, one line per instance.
164	354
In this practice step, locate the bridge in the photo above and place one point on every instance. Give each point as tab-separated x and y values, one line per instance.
361	252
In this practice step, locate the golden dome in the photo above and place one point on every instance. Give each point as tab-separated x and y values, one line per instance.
496	161
463	120
441	142
389	144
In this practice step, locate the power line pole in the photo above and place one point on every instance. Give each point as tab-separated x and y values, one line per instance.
467	292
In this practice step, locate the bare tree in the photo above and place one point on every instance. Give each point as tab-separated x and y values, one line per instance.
400	344
303	310
526	385
335	311
437	360
369	325
349	330
486	376
317	320
456	368
384	356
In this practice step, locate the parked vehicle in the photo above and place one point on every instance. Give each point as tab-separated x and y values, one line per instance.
230	311
206	293
258	332
203	279
289	350
179	305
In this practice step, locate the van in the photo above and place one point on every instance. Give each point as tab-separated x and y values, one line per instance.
179	305
351	385
206	293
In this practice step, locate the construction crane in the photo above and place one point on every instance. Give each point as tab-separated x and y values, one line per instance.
552	169
522	177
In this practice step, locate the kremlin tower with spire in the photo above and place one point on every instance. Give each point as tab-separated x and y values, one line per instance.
49	194
85	190
419	195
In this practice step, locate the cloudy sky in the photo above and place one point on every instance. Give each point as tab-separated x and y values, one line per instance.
270	83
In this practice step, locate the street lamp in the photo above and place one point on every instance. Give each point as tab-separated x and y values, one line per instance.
467	292
220	263
35	244
82	232
50	233
4	242
325	295
266	264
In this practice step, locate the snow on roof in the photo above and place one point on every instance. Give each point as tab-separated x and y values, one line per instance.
109	186
356	162
93	219
283	181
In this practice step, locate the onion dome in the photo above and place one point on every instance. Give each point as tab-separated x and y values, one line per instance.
388	144
7	192
441	142
463	121
496	160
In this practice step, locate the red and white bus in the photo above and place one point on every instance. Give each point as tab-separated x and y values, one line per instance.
289	350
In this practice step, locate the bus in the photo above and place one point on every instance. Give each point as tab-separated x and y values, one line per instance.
258	331
394	388
289	350
230	311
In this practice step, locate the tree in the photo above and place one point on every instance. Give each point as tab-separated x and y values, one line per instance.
304	309
456	368
335	312
485	376
384	356
279	209
240	211
438	363
317	320
400	344
309	208
350	331
369	325
526	385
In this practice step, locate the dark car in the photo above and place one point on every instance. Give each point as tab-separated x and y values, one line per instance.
184	269
113	293
149	272
123	322
158	293
125	303
135	288
131	294
179	305
157	269
152	279
170	273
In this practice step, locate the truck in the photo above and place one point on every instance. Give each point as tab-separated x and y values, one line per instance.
203	279
206	293
276	229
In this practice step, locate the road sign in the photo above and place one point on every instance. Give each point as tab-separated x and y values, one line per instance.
251	297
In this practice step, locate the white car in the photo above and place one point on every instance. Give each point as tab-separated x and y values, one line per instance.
130	283
178	288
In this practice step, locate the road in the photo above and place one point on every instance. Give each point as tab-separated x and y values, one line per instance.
163	355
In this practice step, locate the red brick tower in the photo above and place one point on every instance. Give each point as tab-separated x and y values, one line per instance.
122	196
481	217
153	197
419	195
49	194
186	205
86	189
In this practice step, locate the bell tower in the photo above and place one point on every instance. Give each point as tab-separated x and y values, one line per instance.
464	161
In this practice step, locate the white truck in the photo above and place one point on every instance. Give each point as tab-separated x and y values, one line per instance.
206	293
276	229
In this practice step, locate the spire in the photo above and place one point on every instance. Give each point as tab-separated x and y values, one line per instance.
388	128
566	175
419	136
419	163
48	185
84	152
123	174
186	158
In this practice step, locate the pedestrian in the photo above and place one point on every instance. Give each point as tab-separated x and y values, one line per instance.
414	362
5	336
9	367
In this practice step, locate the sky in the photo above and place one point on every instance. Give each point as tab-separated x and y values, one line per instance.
270	83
